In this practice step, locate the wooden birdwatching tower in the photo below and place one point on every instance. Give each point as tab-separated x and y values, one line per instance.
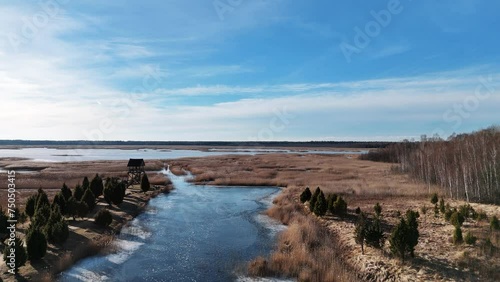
135	171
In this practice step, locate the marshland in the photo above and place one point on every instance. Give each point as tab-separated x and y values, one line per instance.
294	242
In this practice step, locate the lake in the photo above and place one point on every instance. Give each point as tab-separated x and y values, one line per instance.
75	155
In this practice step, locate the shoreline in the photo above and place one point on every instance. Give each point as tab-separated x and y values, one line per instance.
104	245
117	225
86	239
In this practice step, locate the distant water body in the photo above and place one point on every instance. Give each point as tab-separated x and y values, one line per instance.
77	155
195	233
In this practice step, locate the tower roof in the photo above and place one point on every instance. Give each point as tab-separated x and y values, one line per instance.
135	162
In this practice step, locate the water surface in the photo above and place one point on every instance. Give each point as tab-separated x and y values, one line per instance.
195	233
76	155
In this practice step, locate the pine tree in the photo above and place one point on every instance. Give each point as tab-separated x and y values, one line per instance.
56	230
119	193
89	199
413	234
340	206
55	215
66	192
321	205
114	192
96	186
314	197
71	207
466	211
41	216
405	236
19	216
145	186
434	198
331	201
398	240
374	235
360	231
78	192
19	251
442	207
378	209
103	218
109	189
60	201
457	219
36	243
85	184
457	236
41	200
82	209
447	214
30	206
470	239
60	231
305	195
494	224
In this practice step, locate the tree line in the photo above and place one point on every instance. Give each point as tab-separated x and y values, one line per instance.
320	205
466	166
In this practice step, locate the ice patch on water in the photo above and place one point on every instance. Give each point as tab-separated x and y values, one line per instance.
269	223
85	275
136	230
126	249
268	200
151	210
273	225
124	245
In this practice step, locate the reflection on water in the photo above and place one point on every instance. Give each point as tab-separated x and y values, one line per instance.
195	233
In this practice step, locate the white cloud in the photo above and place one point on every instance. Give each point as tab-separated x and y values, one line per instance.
439	81
53	88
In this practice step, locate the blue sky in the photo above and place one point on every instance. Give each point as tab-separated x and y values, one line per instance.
247	70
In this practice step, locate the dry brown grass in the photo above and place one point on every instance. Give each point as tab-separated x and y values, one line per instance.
362	183
51	176
333	173
305	250
285	207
